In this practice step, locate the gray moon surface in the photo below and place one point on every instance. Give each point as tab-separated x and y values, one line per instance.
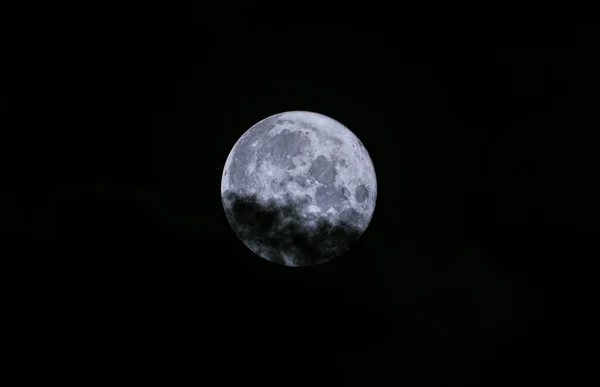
299	188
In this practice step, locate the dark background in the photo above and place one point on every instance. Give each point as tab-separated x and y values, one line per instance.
471	272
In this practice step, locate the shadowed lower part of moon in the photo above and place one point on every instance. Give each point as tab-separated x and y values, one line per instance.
281	234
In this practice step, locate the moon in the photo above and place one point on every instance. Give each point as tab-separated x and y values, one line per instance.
299	188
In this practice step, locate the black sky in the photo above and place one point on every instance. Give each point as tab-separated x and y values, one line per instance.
469	274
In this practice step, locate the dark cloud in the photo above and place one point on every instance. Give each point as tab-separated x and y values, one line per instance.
272	229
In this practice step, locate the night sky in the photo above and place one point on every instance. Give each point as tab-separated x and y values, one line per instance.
469	273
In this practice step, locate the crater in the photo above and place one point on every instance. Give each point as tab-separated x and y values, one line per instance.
323	170
361	193
282	147
301	180
333	140
350	215
327	197
284	121
345	193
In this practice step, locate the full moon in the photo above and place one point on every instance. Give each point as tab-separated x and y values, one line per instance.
298	188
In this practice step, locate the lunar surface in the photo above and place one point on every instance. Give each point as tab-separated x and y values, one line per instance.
299	188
